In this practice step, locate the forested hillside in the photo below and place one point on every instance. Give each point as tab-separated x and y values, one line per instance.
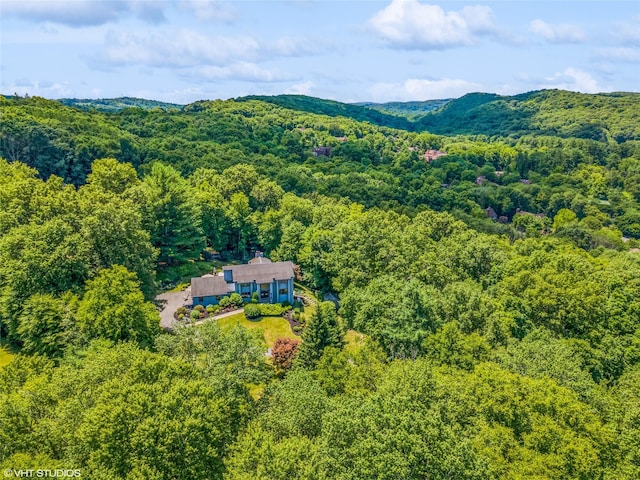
547	112
116	104
407	109
488	323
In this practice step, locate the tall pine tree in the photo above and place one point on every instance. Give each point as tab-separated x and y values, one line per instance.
323	330
176	218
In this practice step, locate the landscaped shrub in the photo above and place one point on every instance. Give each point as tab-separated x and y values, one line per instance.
252	310
255	298
286	304
213	309
236	299
195	314
270	309
224	302
283	352
181	310
297	316
199	308
180	316
297	328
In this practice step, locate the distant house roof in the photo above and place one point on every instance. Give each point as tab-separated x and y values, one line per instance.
259	260
261	272
491	213
210	285
430	155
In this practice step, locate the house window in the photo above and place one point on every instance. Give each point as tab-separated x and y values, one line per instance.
264	291
199	299
283	291
245	290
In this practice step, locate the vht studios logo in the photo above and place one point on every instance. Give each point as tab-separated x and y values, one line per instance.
42	473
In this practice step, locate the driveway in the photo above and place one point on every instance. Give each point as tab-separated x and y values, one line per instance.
170	302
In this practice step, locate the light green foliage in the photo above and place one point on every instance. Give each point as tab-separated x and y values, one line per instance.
252	310
117	412
397	313
564	218
236	299
540	355
449	346
113	307
230	359
46	324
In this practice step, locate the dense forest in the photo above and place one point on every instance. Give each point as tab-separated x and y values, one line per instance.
491	288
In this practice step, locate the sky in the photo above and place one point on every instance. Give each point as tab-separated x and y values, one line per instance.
181	51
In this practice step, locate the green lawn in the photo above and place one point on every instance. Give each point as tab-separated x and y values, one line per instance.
5	355
272	327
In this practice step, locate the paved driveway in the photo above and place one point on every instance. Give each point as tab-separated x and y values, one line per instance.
171	302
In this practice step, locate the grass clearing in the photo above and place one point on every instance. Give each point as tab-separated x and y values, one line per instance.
354	341
5	355
272	327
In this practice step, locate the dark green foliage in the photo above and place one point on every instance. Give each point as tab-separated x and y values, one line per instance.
547	112
322	330
173	216
332	108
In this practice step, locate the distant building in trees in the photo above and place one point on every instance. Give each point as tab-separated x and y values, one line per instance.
431	155
491	213
321	151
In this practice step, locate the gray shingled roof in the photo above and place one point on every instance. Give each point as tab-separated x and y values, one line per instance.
261	272
210	285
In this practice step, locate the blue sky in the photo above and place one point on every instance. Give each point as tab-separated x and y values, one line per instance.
185	50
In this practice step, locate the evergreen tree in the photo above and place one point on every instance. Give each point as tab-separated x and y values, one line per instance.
323	330
175	218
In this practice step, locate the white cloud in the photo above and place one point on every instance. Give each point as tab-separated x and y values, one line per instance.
82	13
557	33
411	24
182	48
575	80
185	48
422	89
618	54
300	88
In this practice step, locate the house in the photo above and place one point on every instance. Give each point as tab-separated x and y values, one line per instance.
272	280
491	213
431	155
322	151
